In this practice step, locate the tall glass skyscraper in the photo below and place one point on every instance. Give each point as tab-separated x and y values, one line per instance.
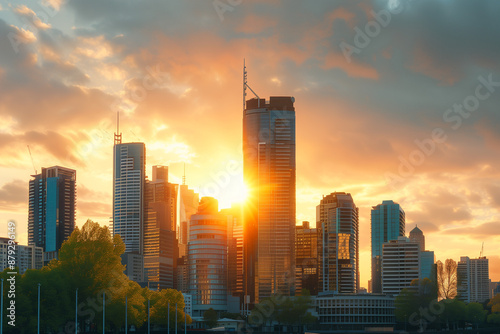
387	223
337	219
129	166
52	206
269	214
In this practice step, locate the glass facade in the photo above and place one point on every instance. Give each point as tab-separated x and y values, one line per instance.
207	258
269	213
337	218
387	223
128	194
160	241
306	258
52	206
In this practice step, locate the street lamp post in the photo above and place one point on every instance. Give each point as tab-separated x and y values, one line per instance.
103	311
149	325
175	318
168	318
126	315
185	320
1	312
38	323
76	312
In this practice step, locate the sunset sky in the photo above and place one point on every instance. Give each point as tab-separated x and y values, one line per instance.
174	69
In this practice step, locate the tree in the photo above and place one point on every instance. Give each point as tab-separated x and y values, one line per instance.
447	279
494	303
476	314
163	302
210	317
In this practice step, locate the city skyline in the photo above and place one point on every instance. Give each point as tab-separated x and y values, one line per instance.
357	121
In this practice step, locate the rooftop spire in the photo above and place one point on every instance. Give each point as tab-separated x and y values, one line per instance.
118	135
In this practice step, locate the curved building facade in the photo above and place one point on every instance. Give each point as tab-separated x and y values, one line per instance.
207	253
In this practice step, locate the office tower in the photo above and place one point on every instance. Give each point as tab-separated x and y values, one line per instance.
234	250
416	235
188	205
182	272
306	258
129	174
26	257
473	279
427	266
337	219
387	223
160	241
400	265
207	256
52	206
269	213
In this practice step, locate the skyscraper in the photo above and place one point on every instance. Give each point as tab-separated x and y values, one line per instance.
188	205
306	258
337	219
52	206
160	242
128	194
235	240
400	265
387	223
207	256
416	235
269	217
473	279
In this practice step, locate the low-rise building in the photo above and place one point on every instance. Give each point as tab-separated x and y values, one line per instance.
353	312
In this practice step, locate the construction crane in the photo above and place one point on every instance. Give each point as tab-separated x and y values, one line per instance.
32	162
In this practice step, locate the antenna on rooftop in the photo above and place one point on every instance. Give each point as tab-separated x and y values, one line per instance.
118	135
245	86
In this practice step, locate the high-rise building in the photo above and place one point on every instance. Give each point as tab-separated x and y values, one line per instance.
188	205
129	174
52	205
387	223
306	258
337	219
234	250
207	257
400	265
269	214
160	241
26	257
416	235
473	279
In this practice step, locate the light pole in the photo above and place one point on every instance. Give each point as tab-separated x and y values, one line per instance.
76	312
1	312
103	311
38	324
185	320
149	325
168	318
175	318
126	315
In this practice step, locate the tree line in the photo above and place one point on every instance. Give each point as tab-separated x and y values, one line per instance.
89	265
